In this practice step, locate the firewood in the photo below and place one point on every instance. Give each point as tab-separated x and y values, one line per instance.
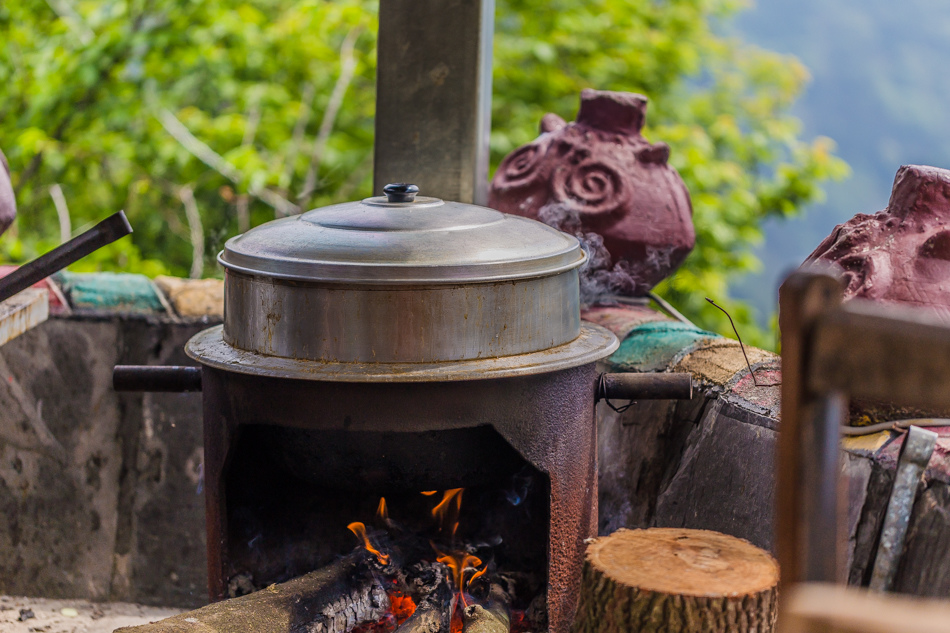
434	611
676	581
427	618
330	600
490	619
492	616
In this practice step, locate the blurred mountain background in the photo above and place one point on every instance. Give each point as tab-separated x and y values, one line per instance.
880	88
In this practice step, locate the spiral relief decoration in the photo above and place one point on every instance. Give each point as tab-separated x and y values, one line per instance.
591	187
521	167
600	180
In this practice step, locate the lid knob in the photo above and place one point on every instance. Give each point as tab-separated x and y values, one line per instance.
400	192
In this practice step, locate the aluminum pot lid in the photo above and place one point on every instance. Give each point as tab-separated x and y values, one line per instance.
401	238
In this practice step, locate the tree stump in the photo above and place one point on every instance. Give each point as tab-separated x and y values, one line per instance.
676	580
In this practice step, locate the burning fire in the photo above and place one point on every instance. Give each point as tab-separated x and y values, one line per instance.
460	563
447	511
464	567
359	530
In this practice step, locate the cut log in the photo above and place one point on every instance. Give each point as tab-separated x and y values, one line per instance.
676	581
333	599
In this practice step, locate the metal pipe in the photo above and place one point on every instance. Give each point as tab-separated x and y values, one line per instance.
156	378
106	232
645	386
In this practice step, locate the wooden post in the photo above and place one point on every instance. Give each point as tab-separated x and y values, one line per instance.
807	464
677	581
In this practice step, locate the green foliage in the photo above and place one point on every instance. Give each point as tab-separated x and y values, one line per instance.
92	98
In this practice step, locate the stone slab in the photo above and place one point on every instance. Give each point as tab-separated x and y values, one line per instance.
717	361
74	616
621	320
23	311
194	297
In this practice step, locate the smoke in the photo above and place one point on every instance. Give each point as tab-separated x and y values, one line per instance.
601	279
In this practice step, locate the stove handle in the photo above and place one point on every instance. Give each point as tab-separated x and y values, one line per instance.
646	386
156	378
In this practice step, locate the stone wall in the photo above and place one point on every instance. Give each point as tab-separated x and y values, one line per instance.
99	492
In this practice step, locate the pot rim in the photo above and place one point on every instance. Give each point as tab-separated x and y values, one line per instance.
593	344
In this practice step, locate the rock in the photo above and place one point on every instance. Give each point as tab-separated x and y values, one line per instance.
194	297
902	254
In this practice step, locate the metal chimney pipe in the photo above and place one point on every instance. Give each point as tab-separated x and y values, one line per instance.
433	96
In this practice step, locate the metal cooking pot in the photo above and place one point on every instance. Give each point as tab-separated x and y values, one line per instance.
401	288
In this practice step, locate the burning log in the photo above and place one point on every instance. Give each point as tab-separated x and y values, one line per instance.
676	580
334	599
428	618
436	600
491	619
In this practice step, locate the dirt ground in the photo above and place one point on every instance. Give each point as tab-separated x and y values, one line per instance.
73	616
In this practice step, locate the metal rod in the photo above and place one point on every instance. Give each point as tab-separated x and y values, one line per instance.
634	386
106	232
152	378
914	457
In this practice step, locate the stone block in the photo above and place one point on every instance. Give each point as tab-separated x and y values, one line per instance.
194	297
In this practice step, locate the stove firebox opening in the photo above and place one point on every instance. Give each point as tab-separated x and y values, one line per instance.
454	523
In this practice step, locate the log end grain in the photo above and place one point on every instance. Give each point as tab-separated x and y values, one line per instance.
676	580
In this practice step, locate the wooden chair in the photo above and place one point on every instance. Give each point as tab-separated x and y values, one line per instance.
831	352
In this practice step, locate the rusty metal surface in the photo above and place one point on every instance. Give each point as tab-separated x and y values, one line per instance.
346	324
594	343
914	457
547	418
650	386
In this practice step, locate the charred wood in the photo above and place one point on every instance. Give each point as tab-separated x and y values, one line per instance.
333	599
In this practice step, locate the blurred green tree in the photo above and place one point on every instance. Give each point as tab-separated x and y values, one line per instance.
204	117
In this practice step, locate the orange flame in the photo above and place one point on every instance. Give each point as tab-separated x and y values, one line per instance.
447	511
381	511
429	493
461	563
359	530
